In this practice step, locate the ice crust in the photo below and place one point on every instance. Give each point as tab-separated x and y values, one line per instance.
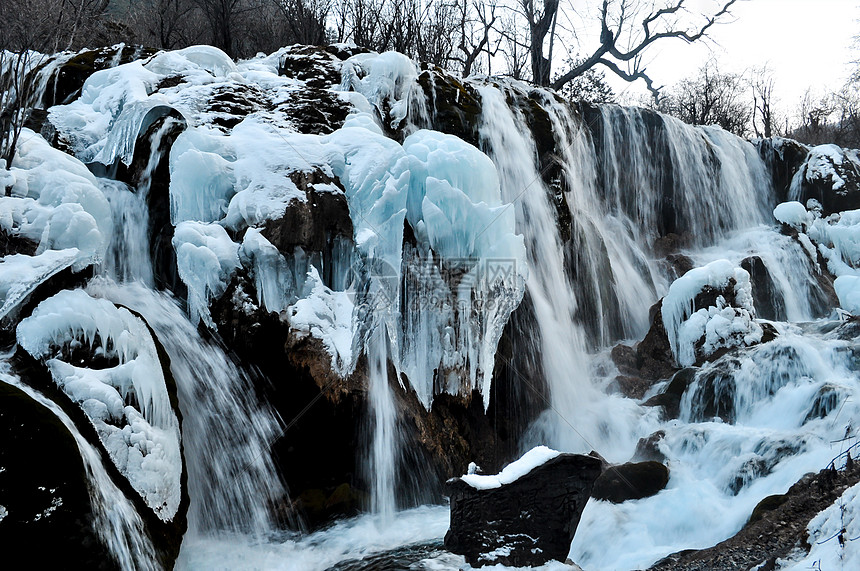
535	457
128	403
228	183
721	325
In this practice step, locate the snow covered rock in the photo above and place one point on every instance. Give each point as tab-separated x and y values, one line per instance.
708	309
830	175
525	515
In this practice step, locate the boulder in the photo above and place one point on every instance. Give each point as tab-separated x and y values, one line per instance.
527	521
46	517
631	481
670	398
830	175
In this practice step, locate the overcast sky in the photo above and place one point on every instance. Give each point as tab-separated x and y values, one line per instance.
807	43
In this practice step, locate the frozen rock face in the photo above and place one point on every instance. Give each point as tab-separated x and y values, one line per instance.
526	515
104	359
829	175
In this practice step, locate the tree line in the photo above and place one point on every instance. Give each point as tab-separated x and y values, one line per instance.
547	42
748	105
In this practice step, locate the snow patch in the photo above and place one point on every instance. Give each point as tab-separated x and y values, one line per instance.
535	457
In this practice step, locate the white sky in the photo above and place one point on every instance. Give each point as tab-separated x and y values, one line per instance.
807	43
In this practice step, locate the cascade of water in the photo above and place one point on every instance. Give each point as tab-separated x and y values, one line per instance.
232	481
572	424
116	520
128	257
385	445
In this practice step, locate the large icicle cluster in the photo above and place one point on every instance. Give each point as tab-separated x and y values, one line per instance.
463	271
126	398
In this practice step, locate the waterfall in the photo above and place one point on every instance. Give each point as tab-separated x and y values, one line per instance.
385	444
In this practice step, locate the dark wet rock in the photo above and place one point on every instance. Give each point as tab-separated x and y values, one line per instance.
783	158
766	300
454	107
316	66
777	527
345	51
11	244
625	358
314	111
654	352
715	390
47	517
314	222
228	106
670	398
678	265
631	387
631	481
647	449
408	557
825	401
528	522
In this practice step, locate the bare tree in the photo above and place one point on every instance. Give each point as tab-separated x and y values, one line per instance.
475	22
627	29
764	114
711	98
16	84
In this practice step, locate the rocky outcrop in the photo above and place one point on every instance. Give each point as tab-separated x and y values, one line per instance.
776	527
630	481
527	522
783	157
830	175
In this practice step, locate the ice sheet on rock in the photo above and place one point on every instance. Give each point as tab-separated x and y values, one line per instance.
722	325
192	61
20	275
55	202
88	120
206	259
328	316
514	471
273	279
128	403
202	181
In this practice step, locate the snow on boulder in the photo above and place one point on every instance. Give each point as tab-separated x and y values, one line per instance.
707	309
104	358
525	515
830	175
793	214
